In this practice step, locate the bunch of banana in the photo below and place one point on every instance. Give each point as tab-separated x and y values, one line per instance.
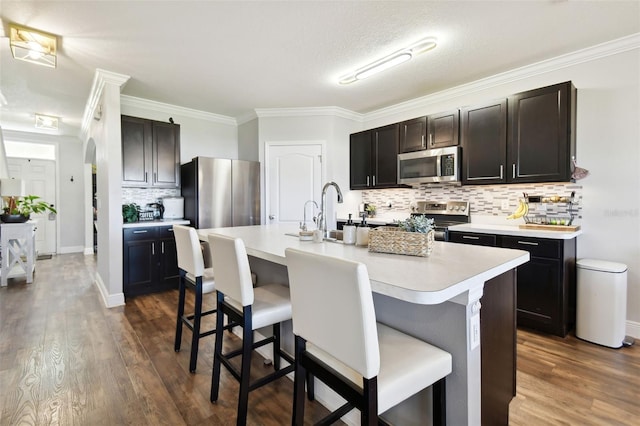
522	210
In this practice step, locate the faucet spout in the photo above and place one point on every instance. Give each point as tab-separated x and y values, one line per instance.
303	225
322	216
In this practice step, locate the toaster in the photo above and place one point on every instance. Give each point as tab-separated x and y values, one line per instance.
173	207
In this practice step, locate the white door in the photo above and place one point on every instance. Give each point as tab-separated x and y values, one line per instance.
40	180
293	176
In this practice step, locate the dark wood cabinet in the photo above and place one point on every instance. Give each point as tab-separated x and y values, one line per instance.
150	153
484	142
150	262
541	134
546	295
430	132
527	138
373	158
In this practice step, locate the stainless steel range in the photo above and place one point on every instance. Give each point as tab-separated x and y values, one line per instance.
444	214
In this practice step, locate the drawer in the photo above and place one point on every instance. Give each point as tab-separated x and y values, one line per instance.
471	238
164	231
538	247
137	234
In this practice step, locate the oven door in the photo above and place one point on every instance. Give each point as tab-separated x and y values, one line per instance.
429	166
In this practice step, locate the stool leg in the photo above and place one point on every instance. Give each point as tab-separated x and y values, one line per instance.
311	388
369	414
298	383
245	369
217	352
439	392
181	296
197	316
276	346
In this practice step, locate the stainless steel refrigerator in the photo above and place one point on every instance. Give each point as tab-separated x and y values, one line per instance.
219	192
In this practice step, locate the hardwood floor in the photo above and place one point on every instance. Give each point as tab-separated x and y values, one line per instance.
67	360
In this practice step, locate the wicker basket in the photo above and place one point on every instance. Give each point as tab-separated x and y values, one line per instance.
390	239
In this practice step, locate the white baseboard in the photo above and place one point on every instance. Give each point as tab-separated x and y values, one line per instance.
633	329
88	251
110	300
71	249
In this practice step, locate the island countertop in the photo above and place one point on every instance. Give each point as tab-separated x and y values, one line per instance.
451	270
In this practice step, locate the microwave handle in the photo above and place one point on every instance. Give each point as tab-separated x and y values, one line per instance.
439	165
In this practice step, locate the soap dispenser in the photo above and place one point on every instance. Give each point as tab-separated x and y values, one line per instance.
349	232
362	234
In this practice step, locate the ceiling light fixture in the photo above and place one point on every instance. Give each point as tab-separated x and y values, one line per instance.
33	46
46	122
389	61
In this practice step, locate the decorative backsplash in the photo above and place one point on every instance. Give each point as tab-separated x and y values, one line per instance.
483	199
144	196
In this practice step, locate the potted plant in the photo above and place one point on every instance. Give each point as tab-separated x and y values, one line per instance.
371	210
19	209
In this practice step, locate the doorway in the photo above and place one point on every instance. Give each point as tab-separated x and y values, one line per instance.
40	180
293	175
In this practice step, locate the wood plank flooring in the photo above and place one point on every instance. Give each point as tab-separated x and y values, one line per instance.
67	360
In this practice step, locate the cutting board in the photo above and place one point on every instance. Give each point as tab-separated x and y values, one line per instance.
563	228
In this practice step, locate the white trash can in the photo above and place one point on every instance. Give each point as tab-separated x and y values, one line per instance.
601	302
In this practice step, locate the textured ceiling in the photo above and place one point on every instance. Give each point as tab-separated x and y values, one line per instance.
230	58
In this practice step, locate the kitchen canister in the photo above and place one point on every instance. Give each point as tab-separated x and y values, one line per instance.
349	232
362	233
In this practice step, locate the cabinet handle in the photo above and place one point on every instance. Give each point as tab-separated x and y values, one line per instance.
528	243
431	139
153	249
155	177
374	180
367	180
423	142
140	232
513	170
170	230
146	176
163	247
501	171
470	237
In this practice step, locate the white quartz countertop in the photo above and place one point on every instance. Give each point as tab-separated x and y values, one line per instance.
150	223
450	271
515	231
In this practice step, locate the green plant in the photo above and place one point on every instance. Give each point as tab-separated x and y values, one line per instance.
420	224
27	205
130	212
371	209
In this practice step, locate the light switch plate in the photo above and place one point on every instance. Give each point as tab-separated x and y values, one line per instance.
504	205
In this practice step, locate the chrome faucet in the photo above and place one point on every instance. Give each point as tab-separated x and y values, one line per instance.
303	224
322	216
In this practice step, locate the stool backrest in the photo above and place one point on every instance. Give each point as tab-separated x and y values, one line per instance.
188	249
233	275
332	308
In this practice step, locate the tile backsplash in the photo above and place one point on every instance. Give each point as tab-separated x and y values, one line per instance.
484	200
144	196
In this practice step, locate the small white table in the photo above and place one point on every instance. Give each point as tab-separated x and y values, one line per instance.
18	250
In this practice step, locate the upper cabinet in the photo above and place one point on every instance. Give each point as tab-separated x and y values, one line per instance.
537	146
434	131
541	135
150	153
373	158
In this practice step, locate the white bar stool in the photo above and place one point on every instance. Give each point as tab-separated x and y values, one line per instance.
192	272
249	308
373	366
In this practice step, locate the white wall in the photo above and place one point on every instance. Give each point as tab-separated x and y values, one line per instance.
248	145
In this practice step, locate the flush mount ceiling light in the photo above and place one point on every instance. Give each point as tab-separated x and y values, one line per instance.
46	122
389	61
33	46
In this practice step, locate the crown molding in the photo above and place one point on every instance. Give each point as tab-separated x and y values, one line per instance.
133	101
309	112
592	53
100	79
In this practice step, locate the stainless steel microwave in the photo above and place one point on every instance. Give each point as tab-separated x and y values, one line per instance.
430	166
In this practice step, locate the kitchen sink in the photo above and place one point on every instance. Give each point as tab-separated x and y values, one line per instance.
335	236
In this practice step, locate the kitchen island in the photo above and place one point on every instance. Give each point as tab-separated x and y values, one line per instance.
436	299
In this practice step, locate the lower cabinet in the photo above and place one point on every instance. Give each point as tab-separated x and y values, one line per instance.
546	289
150	261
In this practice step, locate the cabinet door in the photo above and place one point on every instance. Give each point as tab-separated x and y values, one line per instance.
167	259
139	267
166	155
539	294
385	156
443	129
413	134
484	143
136	151
360	160
539	136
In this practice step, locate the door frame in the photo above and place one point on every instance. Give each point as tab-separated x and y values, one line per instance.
267	147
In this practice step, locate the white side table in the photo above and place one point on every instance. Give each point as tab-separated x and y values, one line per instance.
18	250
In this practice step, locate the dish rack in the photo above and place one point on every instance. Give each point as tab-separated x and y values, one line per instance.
543	219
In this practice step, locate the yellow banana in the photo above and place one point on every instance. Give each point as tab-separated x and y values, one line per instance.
522	210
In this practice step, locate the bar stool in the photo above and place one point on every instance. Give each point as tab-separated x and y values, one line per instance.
249	308
192	272
371	365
